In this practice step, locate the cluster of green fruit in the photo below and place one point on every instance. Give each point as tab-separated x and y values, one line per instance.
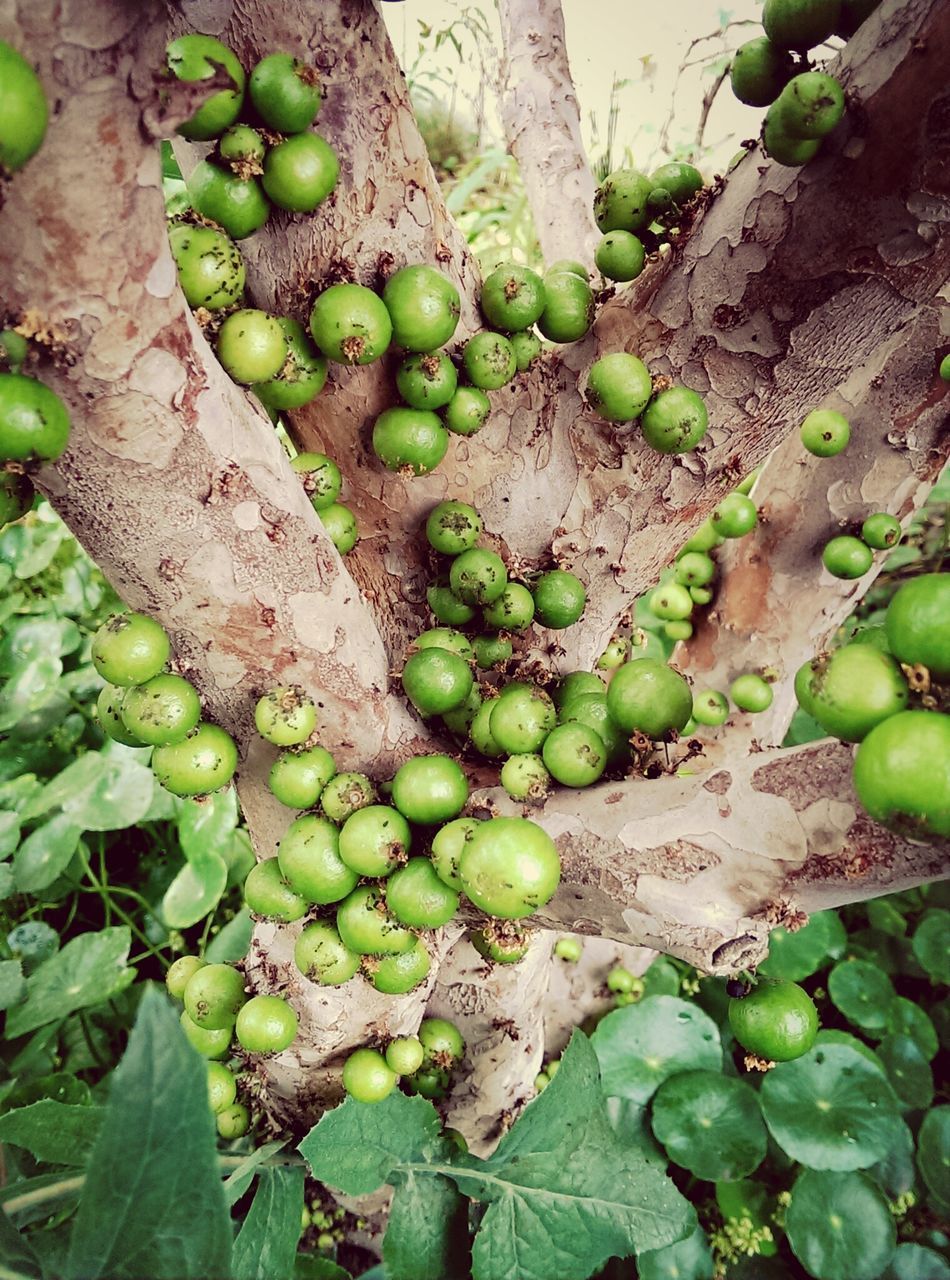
636	213
861	692
217	1010
322	483
772	71
425	1063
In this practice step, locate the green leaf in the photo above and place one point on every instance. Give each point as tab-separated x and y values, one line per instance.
915	1262
798	955
30	548
710	1124
310	1266
53	1131
830	1109
427	1232
101	791
931	944
267	1242
241	1177
12	983
839	1226
897	1172
6	881
933	1152
904	1018
862	992
639	1046
153	1202
33	941
28	638
9	833
908	1071
831	1035
45	853
564	1194
230	944
883	915
205	826
16	1252
356	1146
661	979
689	1259
196	890
25	692
88	970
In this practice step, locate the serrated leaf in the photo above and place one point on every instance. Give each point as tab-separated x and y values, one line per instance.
88	970
427	1232
53	1131
356	1146
45	853
267	1242
12	983
196	890
154	1206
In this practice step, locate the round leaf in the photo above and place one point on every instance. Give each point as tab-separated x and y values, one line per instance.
800	954
931	944
639	1046
862	993
33	942
710	1124
933	1152
908	1071
904	1018
688	1259
897	1172
915	1262
839	1226
830	1109
831	1035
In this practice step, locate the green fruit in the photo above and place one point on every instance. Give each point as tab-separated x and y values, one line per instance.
918	623
109	712
620	255
375	840
710	707
678	629
825	432
268	894
222	1087
694	569
346	793
23	110
701	595
460	718
366	1077
236	204
341	527
478	576
902	773
446	606
447	845
467	412
321	478
527	348
129	649
512	611
309	858
14	350
366	926
409	440
525	777
285	93
521	719
285	716
417	897
851	690
489	361
781	146
509	868
404	1055
621	201
680	179
34	422
436	680
671	601
568	308
213	995
298	777
591	709
444	638
704	539
233	1121
499	946
491	651
575	685
203	762
568	264
735	516
480	732
398	975
350	324
427	380
242	148
944	369
759	72
180	973
162	711
210	266
569	949
615	655
321	956
810	105
442	1042
210	1044
675	420
453	527
265	1024
776	1021
302	376
512	298
300	172
800	24
750	693
619	387
575	754
424	306
847	557
197	57
559	599
649	697
881	531
251	346
430	790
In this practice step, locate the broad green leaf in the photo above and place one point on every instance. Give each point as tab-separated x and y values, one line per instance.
27	690
830	1109
800	954
196	890
12	983
908	1071
897	1172
32	637
931	944
630	1122
45	853
9	833
205	826
29	547
710	1124
839	1226
230	944
154	1206
905	1018
916	1262
356	1146
88	970
310	1266
6	881
862	992
831	1035
16	1252
689	1259
267	1242
241	1177
427	1232
640	1046
101	791
883	915
33	942
933	1152
661	979
60	1086
16	793
53	1131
